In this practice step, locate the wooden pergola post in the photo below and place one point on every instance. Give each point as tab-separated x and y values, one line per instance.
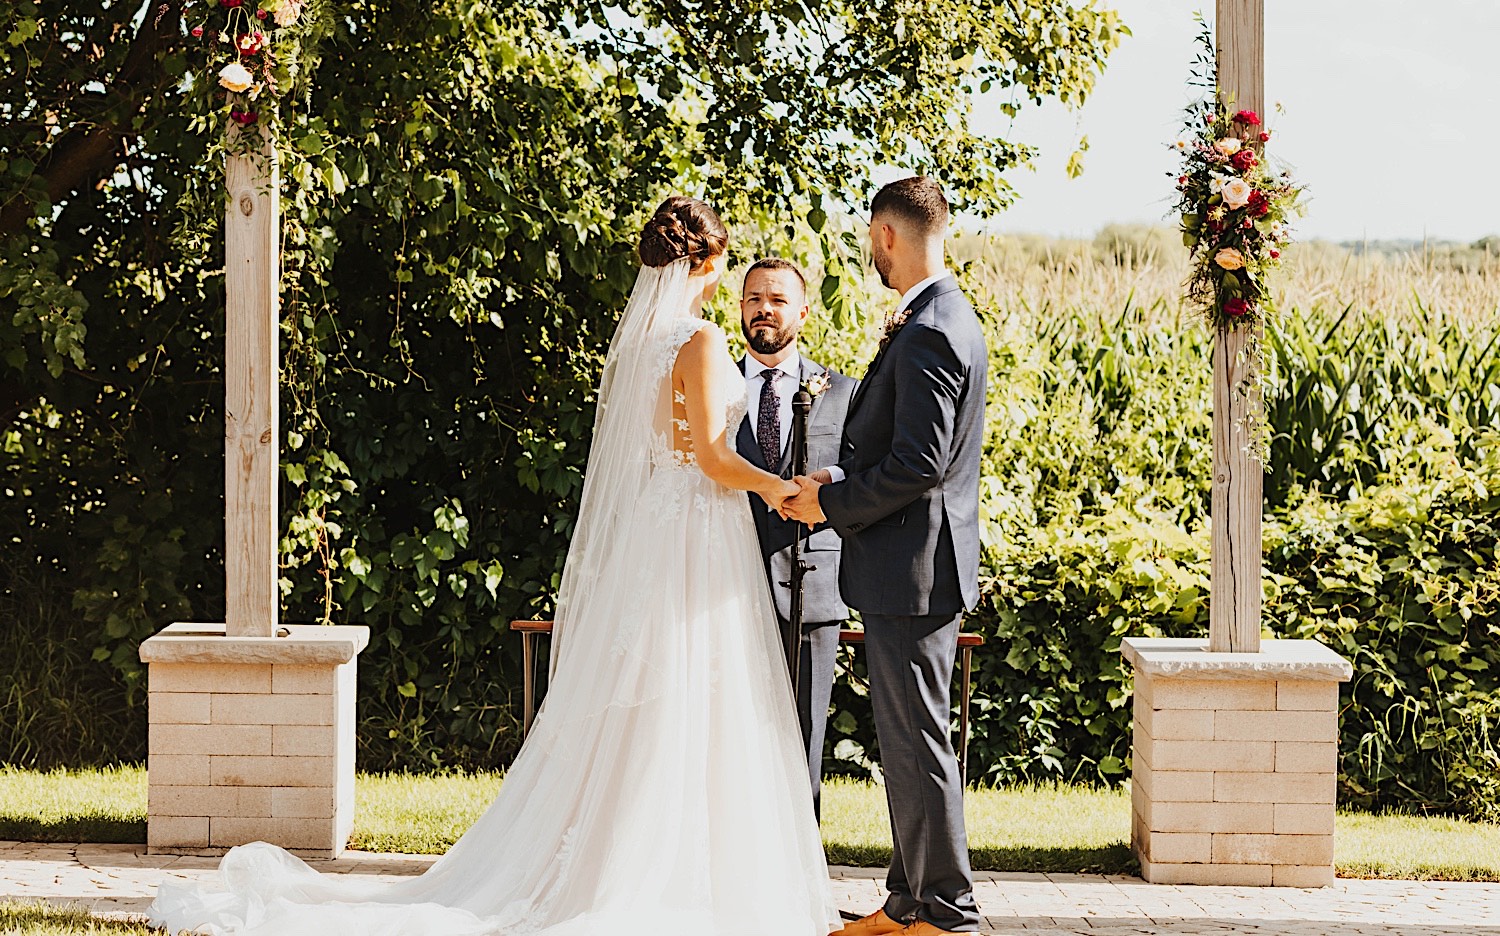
1234	748
252	277
252	725
1235	589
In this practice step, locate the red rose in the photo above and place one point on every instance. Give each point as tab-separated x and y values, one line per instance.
1243	159
1275	253
197	32
260	14
1235	308
1258	205
1265	136
244	118
1251	118
1182	180
231	4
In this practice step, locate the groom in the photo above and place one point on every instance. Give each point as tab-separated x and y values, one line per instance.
904	498
773	308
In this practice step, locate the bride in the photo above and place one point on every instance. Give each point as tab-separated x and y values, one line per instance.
663	789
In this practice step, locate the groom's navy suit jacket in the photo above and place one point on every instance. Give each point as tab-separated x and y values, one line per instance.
825	426
908	509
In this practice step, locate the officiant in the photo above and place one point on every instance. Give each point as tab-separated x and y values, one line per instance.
773	308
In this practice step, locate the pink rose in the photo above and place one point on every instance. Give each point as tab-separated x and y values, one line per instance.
1236	307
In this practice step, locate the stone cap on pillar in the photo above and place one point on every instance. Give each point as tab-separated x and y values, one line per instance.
311	644
1190	658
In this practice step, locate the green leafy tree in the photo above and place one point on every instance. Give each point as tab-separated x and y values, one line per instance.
463	185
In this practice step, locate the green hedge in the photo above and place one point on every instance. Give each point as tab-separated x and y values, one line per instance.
1381	531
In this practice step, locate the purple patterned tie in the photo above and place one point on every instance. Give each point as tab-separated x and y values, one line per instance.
768	430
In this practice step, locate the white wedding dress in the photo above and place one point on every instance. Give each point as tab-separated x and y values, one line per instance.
663	788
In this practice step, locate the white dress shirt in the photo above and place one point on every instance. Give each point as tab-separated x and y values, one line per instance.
911	294
786	388
834	471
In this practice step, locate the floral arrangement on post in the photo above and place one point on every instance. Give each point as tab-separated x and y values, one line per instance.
1234	208
259	58
1235	212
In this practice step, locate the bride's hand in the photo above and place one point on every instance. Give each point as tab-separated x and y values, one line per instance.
775	496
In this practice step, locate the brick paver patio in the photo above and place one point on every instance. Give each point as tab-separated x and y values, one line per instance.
118	880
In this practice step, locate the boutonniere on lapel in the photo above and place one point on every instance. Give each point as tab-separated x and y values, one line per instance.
816	384
893	323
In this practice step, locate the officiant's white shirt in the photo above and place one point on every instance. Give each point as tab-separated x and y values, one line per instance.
785	390
834	471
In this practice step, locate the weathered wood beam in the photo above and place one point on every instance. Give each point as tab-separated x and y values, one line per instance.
252	275
1235	591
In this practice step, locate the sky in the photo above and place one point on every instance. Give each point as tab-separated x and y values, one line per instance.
1392	120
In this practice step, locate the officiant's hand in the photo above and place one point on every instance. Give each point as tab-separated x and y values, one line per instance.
777	495
804	508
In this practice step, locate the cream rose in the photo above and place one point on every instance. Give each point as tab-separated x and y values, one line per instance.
287	13
236	77
1228	146
1230	259
1236	193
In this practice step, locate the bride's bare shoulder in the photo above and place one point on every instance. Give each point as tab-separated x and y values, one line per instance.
707	343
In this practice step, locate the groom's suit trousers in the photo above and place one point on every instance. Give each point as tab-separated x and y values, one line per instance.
910	660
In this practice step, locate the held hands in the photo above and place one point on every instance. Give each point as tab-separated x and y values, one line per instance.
804	507
777	496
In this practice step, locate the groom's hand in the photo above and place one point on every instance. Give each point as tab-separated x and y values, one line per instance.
804	508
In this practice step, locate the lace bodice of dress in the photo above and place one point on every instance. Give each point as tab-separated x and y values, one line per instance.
673	445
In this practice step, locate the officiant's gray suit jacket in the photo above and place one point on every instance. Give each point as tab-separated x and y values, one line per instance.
825	424
908	511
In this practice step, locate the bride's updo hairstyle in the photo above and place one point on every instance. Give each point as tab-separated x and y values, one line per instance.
682	227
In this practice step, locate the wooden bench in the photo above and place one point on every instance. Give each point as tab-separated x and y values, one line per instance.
532	631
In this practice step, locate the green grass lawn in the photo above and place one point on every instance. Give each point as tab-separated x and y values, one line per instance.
18	918
1050	828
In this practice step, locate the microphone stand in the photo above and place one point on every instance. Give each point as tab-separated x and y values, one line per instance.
792	636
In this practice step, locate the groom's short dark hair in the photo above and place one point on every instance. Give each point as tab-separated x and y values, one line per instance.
776	263
918	201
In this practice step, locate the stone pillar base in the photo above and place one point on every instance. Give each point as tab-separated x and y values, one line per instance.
1235	762
251	739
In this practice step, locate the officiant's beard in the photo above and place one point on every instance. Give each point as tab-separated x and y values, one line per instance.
764	342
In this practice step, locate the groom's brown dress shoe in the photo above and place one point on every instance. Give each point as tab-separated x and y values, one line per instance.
876	924
923	928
